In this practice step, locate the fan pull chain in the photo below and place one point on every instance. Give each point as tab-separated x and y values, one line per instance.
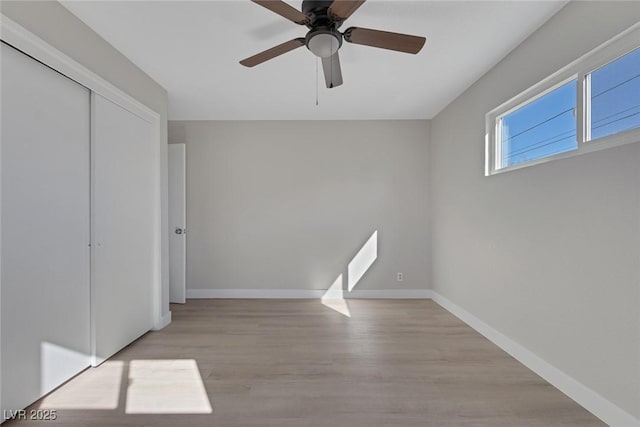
331	84
317	81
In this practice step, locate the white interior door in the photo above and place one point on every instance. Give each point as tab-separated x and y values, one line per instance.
45	336
177	222
126	231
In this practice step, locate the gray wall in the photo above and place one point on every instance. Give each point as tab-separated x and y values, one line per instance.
548	255
53	23
287	205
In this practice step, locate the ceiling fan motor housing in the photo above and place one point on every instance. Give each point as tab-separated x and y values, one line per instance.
318	13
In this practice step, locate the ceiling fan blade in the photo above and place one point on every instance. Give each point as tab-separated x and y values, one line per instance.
272	53
384	39
342	9
332	71
284	10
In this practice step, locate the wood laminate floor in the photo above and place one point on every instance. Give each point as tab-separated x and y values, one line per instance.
300	363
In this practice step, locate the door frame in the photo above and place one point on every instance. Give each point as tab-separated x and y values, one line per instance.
183	148
22	39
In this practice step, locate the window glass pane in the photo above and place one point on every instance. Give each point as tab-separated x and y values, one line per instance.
615	96
541	128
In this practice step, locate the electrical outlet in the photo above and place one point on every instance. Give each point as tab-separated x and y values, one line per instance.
400	277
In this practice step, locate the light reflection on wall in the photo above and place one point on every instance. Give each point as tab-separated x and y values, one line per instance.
334	297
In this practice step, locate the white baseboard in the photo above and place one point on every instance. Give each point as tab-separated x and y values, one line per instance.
255	293
164	321
589	399
308	293
389	294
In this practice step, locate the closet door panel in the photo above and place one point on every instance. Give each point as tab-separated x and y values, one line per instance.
45	276
125	229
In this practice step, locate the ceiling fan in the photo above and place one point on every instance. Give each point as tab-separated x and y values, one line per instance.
323	18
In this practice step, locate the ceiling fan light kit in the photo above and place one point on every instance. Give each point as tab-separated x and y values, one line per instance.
323	42
323	18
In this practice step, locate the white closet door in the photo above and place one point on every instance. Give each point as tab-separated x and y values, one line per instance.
125	228
45	229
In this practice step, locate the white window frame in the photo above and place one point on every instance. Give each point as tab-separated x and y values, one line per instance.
579	70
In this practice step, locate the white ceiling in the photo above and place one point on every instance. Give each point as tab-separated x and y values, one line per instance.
192	48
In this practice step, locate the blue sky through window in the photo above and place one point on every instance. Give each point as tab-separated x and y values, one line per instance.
541	128
547	126
615	96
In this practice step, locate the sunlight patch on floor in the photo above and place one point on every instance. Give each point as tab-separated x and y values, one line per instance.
334	298
339	305
166	387
95	388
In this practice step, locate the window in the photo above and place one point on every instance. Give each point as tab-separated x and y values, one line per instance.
541	128
615	96
591	104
